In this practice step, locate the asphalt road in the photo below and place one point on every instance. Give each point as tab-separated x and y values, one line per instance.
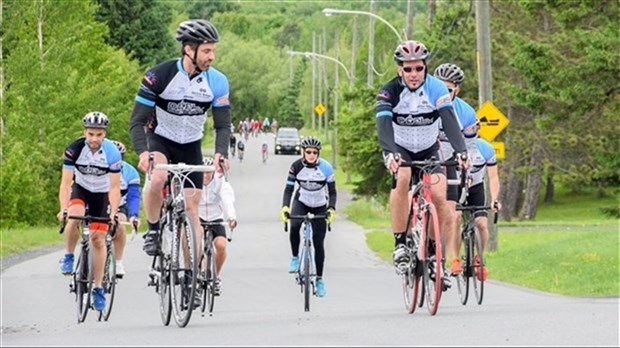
262	306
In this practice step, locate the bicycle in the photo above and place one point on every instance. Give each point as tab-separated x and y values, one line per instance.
471	241
265	153
174	267
306	273
207	275
82	278
425	253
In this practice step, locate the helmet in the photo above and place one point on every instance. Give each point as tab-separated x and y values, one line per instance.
120	146
409	51
450	72
208	161
197	30
95	119
311	142
471	131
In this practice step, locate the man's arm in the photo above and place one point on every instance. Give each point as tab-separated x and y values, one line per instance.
452	128
114	196
137	126
492	172
221	124
64	193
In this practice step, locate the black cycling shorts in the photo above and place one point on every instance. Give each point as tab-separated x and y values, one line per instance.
190	153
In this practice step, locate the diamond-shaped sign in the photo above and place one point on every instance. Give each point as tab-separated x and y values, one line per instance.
500	149
320	109
492	121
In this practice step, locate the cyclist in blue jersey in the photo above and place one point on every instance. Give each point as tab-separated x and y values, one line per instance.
129	206
169	116
316	193
483	155
91	175
408	113
453	76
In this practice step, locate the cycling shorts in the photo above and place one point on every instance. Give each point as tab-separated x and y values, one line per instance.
476	197
190	153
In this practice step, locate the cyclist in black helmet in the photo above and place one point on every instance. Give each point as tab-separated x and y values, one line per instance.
316	193
169	116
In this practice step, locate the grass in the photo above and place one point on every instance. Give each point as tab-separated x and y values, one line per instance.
571	249
22	239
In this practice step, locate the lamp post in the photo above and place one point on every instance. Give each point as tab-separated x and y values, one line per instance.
331	11
349	76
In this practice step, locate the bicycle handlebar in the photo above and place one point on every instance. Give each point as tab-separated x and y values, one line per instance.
307	217
87	219
177	168
218	223
427	163
473	208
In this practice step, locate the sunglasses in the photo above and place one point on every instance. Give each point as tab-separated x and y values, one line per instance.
409	69
451	89
311	152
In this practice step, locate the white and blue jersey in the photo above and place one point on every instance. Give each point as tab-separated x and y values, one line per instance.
482	154
466	116
181	103
414	113
316	184
91	168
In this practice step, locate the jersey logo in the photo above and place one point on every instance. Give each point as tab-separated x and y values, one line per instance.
150	78
383	94
223	99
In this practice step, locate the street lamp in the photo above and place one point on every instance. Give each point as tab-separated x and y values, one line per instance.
310	55
331	11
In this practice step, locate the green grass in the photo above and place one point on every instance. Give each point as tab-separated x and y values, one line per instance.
27	238
571	249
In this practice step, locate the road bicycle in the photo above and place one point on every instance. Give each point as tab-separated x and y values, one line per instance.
265	153
422	275
207	275
174	267
82	277
471	254
306	273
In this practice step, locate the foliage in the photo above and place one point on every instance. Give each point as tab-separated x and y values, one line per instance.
50	85
289	111
136	28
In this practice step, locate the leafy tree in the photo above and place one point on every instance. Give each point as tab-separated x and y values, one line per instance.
140	27
289	112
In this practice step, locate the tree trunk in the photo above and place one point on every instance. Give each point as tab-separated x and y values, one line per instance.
511	182
431	12
550	189
533	184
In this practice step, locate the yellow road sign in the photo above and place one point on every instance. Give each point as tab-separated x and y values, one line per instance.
492	121
500	149
320	109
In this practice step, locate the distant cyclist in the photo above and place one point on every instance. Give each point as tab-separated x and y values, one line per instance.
264	151
316	193
233	144
240	149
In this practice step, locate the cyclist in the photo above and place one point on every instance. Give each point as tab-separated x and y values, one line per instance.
264	151
316	193
169	115
408	110
453	76
483	155
217	204
233	144
91	175
129	206
240	149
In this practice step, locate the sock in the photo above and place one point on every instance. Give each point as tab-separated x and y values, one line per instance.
399	238
153	226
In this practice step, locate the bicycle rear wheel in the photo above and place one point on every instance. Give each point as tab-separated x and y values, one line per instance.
208	276
83	284
462	279
183	271
162	267
109	283
432	262
478	283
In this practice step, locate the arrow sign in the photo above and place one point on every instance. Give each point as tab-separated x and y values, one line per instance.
492	121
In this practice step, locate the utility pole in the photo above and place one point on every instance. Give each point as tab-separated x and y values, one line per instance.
313	117
485	91
371	45
409	20
336	82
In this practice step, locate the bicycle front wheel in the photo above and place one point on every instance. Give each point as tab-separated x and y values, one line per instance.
208	277
478	266
433	261
306	277
462	279
83	284
183	270
109	283
162	268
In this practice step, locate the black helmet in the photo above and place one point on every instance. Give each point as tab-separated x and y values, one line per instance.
450	72
95	119
311	142
197	30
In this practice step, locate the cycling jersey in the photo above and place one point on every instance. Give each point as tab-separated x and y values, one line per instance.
91	168
410	118
466	116
180	104
240	145
217	200
317	185
482	154
130	189
264	147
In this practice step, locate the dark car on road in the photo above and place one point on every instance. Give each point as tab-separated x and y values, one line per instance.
287	141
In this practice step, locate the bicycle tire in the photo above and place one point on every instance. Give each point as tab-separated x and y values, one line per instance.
83	286
163	288
109	283
306	276
183	274
210	275
462	279
478	283
411	280
432	286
